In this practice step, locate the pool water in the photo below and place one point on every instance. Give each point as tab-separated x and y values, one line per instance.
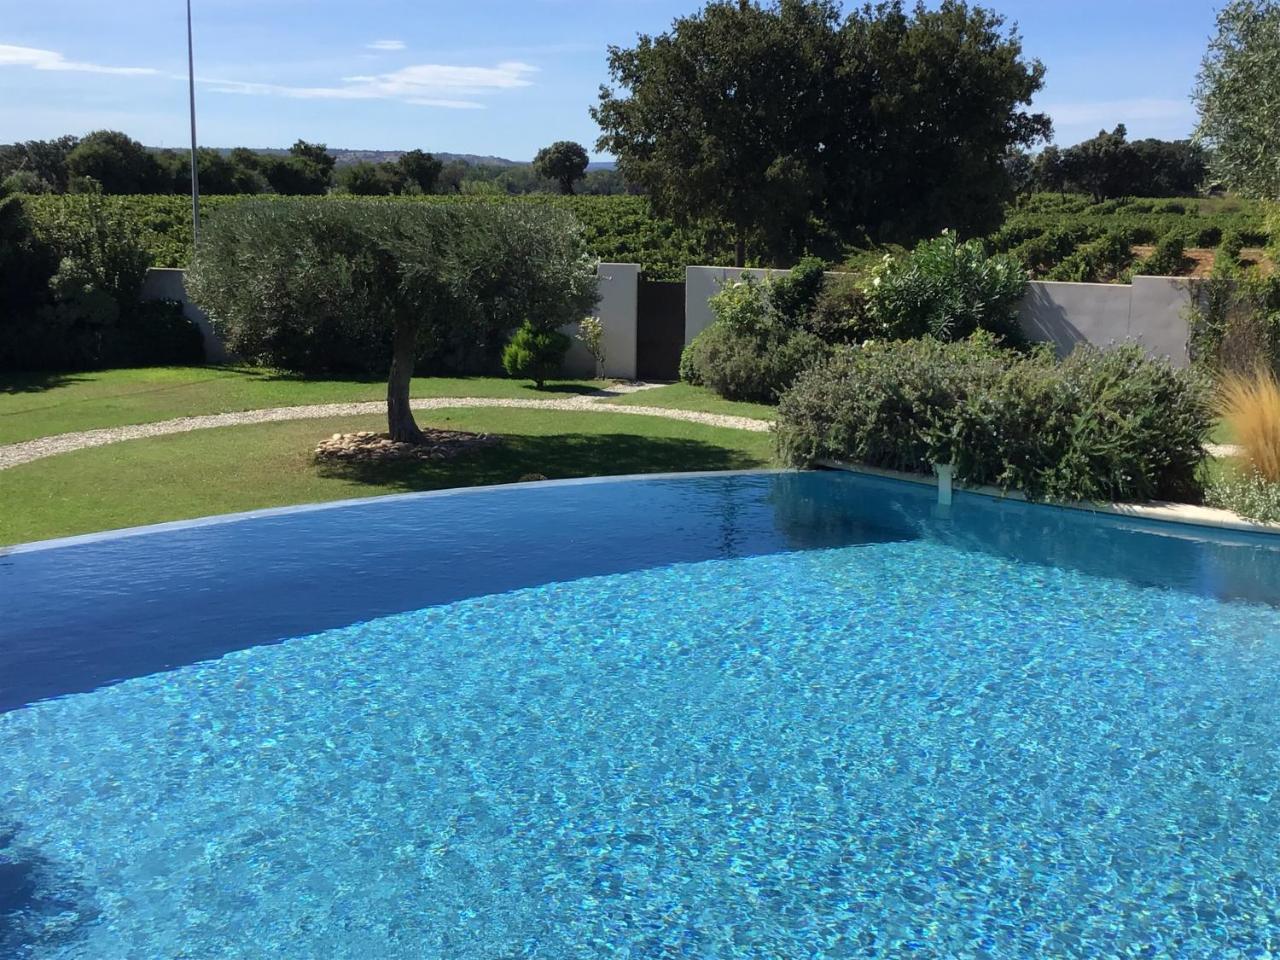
836	721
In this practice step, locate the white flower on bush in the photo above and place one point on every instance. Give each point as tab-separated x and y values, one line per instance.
591	336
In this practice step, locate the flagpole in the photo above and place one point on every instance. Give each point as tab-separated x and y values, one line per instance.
195	173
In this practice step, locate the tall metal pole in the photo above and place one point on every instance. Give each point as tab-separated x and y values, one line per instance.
195	172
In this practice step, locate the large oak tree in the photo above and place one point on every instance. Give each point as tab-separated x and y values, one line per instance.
787	120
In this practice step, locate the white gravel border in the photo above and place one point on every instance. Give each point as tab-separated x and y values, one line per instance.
16	454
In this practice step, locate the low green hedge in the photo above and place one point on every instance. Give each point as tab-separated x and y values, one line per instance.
1100	425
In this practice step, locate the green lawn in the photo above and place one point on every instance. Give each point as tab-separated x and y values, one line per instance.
241	468
38	405
684	396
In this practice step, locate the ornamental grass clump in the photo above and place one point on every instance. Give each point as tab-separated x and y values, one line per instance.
1250	406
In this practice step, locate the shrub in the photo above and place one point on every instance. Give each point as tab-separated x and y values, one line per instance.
947	290
739	365
754	349
1165	260
537	355
1234	324
840	315
1099	261
1100	425
70	299
1250	405
1248	494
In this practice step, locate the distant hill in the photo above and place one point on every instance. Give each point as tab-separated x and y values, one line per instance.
345	156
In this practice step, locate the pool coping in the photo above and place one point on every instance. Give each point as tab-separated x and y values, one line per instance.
263	512
1185	514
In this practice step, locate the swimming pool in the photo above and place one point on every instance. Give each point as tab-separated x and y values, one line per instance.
749	715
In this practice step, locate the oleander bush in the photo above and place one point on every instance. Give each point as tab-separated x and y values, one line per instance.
947	290
1100	425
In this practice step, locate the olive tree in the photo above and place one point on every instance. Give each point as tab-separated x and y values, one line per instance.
1238	97
279	278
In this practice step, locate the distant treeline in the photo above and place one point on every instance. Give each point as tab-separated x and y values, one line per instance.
114	163
1110	166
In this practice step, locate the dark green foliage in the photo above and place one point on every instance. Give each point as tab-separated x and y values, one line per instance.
535	354
794	294
564	162
840	313
117	163
69	295
1109	166
419	172
1100	425
790	120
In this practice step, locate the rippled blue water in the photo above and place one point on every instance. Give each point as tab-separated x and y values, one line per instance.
836	722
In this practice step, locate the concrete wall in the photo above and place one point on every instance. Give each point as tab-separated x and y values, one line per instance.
619	289
618	286
169	284
1152	310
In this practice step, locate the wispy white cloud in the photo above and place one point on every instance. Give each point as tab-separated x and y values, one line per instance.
1107	113
426	84
36	59
385	45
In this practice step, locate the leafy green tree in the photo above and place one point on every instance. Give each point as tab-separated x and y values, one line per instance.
420	169
1238	97
564	161
930	101
767	118
1104	166
317	153
280	275
364	179
46	159
1048	170
117	162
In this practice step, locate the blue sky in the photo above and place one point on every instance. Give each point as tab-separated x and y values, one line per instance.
497	77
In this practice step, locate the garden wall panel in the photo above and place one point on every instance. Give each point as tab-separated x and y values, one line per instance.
163	283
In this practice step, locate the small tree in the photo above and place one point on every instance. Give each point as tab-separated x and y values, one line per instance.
420	169
535	354
117	162
1238	96
395	277
564	161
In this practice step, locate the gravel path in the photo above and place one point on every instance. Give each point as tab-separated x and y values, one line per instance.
1222	449
15	454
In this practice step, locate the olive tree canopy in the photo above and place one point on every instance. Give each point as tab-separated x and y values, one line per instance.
283	278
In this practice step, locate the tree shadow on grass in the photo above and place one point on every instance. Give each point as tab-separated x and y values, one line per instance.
554	457
36	381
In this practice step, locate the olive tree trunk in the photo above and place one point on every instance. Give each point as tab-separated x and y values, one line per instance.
400	423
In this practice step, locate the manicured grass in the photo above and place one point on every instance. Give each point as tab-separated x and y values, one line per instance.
242	468
40	405
684	396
